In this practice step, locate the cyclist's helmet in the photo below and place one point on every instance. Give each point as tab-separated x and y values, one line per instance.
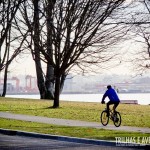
108	86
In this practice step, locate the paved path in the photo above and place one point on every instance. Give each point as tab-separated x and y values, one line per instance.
66	122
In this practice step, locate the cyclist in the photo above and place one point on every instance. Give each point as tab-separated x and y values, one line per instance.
113	97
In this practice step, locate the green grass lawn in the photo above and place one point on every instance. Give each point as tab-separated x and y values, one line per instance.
81	132
132	115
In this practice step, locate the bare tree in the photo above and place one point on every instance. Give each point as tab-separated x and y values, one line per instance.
79	36
31	20
69	34
140	27
8	10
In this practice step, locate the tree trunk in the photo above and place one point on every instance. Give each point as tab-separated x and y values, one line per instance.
36	39
59	83
57	92
62	81
49	83
5	82
7	50
40	79
50	70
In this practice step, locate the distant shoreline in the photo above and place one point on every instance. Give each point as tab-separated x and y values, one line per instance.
32	93
142	98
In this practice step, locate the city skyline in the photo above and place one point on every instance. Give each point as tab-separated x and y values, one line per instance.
90	84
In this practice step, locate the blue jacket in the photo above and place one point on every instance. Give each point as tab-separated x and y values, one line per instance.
112	95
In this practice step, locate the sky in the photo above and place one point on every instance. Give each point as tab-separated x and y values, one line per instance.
25	65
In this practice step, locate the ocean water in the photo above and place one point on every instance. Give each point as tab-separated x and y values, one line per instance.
142	98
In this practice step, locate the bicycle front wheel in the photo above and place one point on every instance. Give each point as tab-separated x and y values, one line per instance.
104	118
117	119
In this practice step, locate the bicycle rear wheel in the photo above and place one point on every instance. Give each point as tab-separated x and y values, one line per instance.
104	118
117	119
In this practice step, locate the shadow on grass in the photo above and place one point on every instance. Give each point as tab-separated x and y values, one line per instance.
52	107
20	109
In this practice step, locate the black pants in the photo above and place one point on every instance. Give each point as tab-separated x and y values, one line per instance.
111	103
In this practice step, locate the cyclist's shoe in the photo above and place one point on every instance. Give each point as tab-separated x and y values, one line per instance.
115	111
116	119
107	113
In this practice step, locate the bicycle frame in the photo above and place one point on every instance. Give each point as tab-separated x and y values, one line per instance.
113	115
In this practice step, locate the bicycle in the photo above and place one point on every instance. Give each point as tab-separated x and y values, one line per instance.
114	116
